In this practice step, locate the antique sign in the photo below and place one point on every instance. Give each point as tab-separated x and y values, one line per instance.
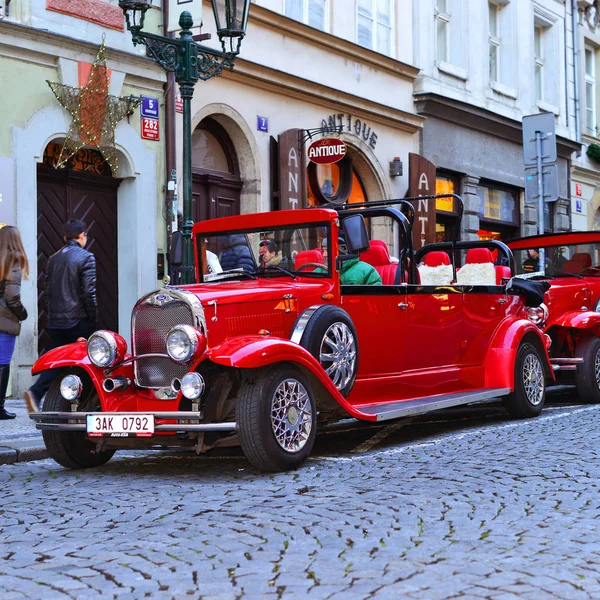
344	123
421	182
326	151
292	172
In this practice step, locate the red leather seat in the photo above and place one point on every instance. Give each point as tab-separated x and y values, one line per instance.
479	255
436	259
502	272
308	256
378	256
579	262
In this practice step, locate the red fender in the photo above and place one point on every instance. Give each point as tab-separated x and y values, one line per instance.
578	319
254	351
500	359
71	355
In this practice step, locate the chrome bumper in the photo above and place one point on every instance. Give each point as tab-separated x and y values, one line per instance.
566	364
76	421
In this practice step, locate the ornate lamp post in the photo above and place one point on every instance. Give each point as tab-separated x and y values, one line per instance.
190	62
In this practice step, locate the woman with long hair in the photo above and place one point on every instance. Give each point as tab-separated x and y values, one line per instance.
13	266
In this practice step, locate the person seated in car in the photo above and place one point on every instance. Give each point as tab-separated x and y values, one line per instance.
354	271
236	254
268	254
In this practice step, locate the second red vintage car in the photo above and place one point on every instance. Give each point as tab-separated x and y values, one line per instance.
570	314
279	336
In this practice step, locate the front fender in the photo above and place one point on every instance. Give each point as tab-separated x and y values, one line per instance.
71	355
253	352
500	359
578	319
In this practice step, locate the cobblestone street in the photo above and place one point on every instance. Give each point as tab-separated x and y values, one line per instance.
467	508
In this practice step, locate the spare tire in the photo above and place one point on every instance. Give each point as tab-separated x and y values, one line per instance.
330	336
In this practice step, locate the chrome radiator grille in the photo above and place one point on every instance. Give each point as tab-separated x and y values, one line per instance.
151	323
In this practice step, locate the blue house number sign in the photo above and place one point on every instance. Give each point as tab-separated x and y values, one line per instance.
149	107
262	123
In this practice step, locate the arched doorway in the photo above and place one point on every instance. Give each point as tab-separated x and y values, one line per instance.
216	182
87	191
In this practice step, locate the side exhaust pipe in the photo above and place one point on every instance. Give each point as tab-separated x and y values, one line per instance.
118	383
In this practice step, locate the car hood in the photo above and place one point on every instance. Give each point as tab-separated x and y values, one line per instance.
566	294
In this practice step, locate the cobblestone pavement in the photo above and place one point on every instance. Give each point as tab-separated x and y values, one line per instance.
457	507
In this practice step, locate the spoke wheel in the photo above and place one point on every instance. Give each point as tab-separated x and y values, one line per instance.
73	450
331	338
276	418
529	394
587	376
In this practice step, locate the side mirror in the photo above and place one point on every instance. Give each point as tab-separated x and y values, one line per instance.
176	251
355	232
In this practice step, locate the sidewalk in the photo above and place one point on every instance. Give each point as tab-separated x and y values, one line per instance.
20	441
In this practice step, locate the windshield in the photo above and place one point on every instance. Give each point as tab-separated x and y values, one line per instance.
575	259
290	251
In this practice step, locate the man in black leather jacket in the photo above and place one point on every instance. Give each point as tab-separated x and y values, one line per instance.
70	299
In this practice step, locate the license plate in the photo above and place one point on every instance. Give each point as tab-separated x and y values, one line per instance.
107	425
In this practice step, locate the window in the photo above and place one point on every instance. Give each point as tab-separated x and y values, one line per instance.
442	33
590	90
538	51
498	212
374	25
494	41
311	12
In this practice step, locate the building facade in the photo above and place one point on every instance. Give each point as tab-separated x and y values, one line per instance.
484	65
57	41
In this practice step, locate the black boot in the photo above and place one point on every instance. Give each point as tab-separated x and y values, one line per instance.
4	375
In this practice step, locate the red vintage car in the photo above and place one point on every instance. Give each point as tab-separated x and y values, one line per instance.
570	312
273	340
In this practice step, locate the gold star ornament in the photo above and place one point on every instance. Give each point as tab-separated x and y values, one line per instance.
95	114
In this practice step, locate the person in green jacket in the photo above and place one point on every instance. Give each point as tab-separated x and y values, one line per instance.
354	271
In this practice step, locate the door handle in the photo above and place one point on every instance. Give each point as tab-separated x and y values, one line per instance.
403	305
502	300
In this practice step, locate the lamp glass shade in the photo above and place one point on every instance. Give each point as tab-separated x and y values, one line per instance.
231	17
135	12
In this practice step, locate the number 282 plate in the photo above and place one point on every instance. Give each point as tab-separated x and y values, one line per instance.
107	425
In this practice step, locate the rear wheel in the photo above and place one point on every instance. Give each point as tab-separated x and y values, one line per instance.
587	377
72	449
276	416
529	395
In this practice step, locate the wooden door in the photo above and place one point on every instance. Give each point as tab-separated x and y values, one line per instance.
66	194
215	196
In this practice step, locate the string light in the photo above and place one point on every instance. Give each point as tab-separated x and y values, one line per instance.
95	113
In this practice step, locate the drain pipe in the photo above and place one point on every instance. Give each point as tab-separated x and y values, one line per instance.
575	17
170	89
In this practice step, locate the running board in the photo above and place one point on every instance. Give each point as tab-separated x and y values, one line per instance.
409	408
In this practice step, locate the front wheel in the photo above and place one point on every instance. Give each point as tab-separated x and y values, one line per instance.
587	377
276	416
529	395
72	449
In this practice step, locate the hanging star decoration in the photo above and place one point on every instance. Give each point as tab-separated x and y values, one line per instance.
95	113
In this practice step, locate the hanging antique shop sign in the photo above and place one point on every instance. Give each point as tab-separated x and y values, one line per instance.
344	123
326	151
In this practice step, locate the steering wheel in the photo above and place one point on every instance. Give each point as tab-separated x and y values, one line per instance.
310	264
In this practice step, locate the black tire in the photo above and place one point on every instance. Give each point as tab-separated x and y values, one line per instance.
587	376
72	449
256	414
527	399
316	339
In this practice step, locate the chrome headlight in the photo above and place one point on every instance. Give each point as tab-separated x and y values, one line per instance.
538	315
182	343
71	387
102	349
192	385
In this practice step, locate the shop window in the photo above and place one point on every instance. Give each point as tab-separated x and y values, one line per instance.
329	179
498	212
445	221
311	12
375	25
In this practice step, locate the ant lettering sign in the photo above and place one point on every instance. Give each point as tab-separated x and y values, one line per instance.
292	172
326	151
421	182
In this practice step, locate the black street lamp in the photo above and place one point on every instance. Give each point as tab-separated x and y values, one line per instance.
190	62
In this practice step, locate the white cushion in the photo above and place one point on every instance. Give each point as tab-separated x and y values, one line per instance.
440	275
476	274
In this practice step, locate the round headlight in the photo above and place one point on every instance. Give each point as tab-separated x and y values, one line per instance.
538	315
102	349
192	385
182	343
71	387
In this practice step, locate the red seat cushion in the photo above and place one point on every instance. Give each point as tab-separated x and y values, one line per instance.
308	256
436	259
502	272
579	262
479	255
376	255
